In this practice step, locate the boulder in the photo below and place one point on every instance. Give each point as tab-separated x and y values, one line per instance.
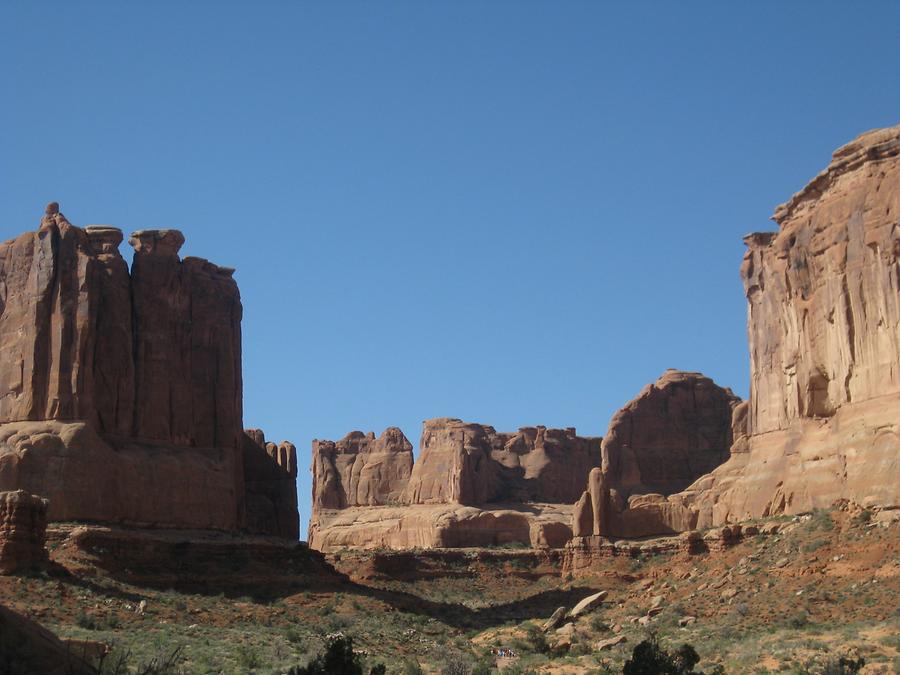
610	643
555	620
588	604
27	647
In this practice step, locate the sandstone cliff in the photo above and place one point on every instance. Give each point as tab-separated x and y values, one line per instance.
471	486
673	432
824	329
463	463
120	393
824	332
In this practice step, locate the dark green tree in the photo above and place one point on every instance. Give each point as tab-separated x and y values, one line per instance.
338	659
649	658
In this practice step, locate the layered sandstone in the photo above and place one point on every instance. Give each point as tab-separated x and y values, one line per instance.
471	486
361	470
464	463
23	529
120	392
441	526
824	331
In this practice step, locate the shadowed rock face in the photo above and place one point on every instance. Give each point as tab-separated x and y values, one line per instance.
120	393
153	355
23	530
673	432
270	480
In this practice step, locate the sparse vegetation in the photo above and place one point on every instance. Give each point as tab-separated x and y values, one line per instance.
789	613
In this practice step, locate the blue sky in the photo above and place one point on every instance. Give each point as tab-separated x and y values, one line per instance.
510	212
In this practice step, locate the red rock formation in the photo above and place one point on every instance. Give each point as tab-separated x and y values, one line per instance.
52	329
187	345
463	463
360	470
673	432
270	483
120	395
472	486
824	329
23	529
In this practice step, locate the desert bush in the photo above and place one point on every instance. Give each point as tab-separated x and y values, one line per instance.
411	667
455	665
649	658
85	620
536	640
338	659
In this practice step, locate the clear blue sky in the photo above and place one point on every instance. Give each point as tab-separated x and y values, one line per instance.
509	212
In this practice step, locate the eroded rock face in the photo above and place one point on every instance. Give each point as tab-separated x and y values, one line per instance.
120	393
270	483
673	432
464	463
441	526
361	470
824	329
23	530
472	486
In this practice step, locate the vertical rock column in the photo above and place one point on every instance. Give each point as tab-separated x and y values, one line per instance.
187	345
23	529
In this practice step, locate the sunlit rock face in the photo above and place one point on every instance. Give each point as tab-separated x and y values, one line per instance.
471	486
824	332
823	419
121	390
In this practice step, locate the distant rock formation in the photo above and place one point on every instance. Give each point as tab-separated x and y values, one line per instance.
361	470
472	486
472	464
120	393
23	530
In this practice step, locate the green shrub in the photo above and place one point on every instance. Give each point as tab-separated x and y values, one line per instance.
536	640
338	659
649	658
85	620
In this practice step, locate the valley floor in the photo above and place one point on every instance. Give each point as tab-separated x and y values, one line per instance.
826	584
